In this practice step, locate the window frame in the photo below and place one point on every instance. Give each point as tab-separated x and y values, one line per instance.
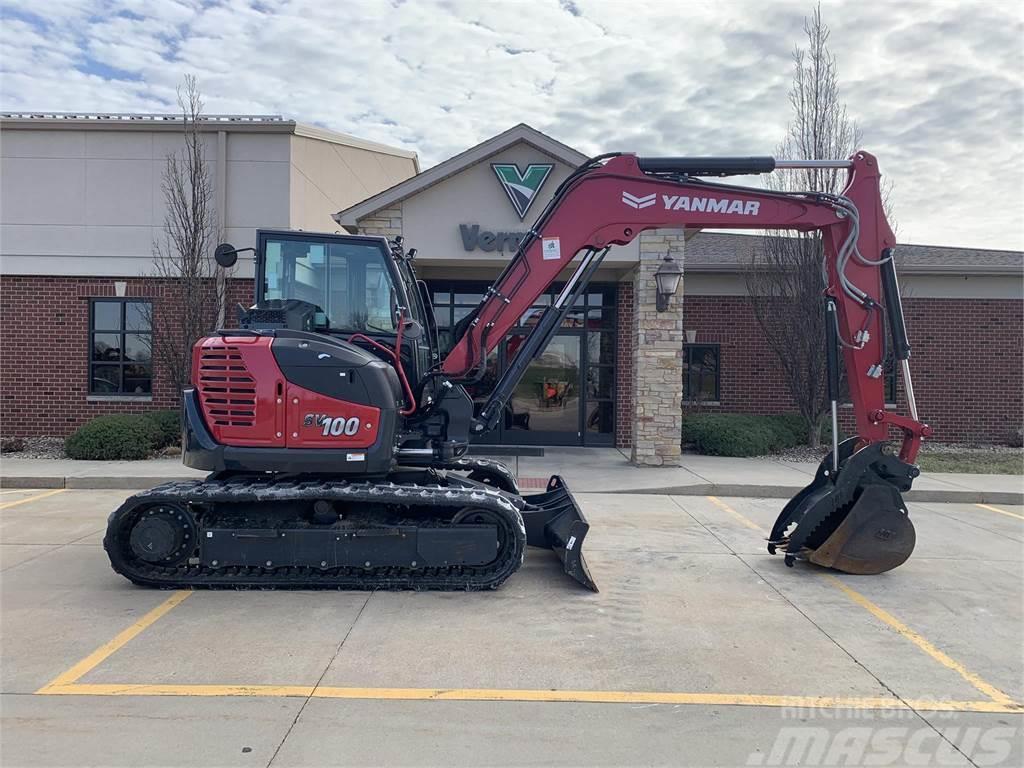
92	332
688	348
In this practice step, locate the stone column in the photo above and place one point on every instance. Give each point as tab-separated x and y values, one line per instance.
657	357
387	222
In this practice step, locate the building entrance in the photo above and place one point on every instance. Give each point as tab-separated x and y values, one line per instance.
567	395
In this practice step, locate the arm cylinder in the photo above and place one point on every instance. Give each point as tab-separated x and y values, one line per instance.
832	348
894	307
707	166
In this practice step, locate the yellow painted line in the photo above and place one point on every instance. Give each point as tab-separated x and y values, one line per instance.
525	695
1000	511
143	689
742	518
882	615
37	497
98	656
879	613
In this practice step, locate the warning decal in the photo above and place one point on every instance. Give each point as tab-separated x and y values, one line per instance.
551	248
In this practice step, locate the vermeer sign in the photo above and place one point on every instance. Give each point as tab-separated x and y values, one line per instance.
473	237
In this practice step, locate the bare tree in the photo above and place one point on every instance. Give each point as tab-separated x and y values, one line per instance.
784	276
193	287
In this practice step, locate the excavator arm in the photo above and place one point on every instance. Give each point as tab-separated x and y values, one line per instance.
611	199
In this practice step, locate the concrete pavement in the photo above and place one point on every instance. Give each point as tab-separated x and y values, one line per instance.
588	470
700	650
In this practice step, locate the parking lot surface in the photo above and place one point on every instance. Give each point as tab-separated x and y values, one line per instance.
700	649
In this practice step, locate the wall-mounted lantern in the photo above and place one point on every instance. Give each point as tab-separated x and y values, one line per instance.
667	278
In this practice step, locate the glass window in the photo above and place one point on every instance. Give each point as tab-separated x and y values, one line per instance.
349	281
700	372
601	348
121	344
600	380
601	417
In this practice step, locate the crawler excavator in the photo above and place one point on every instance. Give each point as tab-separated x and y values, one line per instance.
336	435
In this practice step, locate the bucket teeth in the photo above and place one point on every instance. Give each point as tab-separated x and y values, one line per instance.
854	520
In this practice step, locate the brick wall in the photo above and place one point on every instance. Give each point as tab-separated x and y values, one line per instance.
624	345
44	358
967	363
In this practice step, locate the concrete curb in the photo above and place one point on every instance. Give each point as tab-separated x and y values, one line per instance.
951	496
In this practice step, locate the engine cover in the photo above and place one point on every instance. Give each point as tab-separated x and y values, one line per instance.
290	401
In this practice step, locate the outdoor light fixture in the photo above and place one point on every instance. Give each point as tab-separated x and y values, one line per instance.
667	278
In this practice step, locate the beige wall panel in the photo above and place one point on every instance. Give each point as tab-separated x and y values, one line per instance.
431	219
39	240
962	286
258	147
42	143
42	191
328	177
120	192
242	237
158	168
165	143
132	242
257	194
396	169
77	266
123	145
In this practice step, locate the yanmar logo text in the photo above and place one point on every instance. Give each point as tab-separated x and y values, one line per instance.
696	204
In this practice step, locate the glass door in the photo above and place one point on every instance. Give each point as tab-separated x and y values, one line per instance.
567	395
546	406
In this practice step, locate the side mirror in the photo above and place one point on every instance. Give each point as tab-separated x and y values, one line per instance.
226	255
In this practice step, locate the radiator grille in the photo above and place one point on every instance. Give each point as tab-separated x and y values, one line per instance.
226	388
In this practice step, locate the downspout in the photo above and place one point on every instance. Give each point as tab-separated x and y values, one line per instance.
222	209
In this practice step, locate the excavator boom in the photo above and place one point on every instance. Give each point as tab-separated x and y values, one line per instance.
612	199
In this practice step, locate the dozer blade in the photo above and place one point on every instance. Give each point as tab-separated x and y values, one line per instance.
554	521
854	521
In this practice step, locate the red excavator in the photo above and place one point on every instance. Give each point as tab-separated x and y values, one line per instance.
336	436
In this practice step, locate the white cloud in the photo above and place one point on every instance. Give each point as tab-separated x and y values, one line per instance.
936	87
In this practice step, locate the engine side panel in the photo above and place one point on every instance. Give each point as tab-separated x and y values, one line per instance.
317	421
290	401
241	390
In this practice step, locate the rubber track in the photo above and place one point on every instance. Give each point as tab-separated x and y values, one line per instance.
270	492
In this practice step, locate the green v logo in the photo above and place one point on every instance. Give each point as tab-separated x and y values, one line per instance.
522	188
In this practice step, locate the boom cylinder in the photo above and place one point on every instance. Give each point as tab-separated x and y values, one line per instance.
832	364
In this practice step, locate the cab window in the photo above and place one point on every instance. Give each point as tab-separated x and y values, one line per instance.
350	281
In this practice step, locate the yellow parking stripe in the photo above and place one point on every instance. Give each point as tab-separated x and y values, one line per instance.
98	656
986	688
526	695
884	616
1000	511
37	497
742	518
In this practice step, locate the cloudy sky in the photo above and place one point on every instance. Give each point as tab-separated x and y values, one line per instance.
936	86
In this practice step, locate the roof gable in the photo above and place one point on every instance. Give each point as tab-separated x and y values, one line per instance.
521	133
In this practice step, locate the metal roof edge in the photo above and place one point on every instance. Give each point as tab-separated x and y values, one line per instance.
139	122
336	137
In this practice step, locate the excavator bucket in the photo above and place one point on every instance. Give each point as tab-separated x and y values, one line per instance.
554	521
853	520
